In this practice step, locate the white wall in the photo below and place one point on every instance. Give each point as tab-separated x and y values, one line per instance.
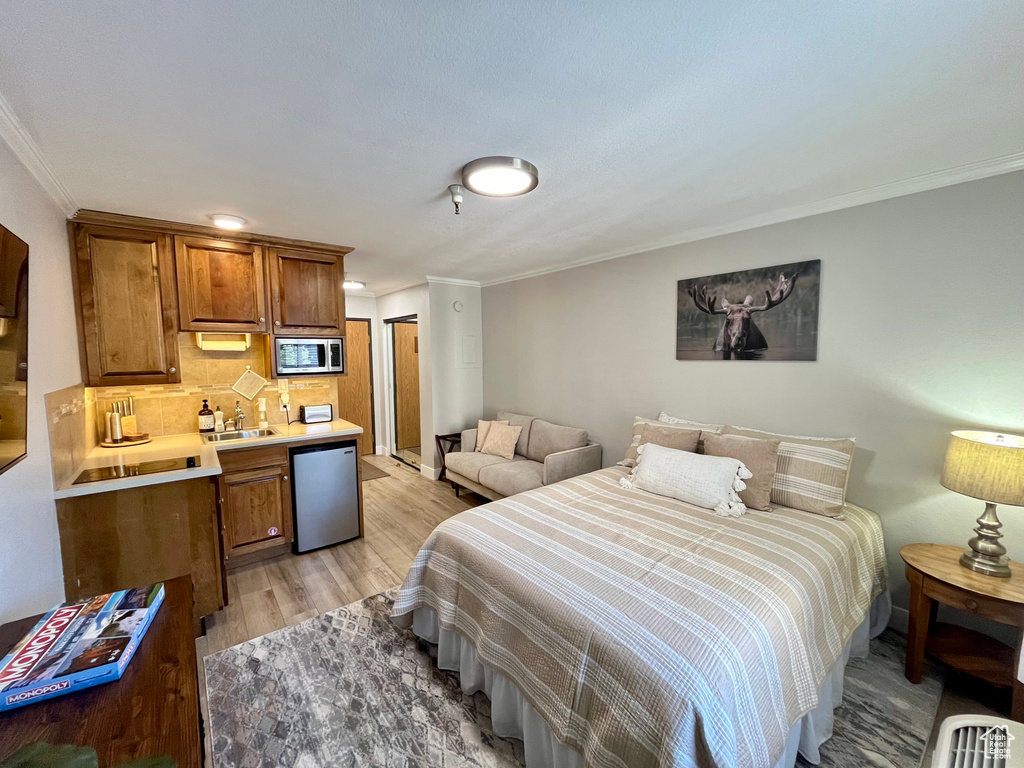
366	307
921	332
456	357
31	578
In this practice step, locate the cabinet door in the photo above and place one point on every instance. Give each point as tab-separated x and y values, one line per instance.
306	293
220	285
125	295
256	510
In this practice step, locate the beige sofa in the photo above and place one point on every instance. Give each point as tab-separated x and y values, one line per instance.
546	453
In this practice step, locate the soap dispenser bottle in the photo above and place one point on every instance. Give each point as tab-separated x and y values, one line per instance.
205	418
218	420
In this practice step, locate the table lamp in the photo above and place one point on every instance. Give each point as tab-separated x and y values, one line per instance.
990	467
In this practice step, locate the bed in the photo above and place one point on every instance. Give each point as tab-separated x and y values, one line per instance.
614	627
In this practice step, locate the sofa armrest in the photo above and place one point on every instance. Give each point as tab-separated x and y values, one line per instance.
577	461
468	441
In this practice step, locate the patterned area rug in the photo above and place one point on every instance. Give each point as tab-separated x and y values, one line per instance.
348	689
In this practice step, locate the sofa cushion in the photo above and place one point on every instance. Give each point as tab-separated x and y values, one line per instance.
546	438
511	477
469	463
518	420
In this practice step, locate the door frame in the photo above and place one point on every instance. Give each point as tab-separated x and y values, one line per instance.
393	421
373	390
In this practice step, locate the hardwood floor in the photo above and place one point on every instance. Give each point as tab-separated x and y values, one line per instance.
399	512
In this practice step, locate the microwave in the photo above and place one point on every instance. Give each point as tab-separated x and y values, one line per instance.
296	357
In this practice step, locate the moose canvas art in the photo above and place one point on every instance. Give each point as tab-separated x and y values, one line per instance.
757	314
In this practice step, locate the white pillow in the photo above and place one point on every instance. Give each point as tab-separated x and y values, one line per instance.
664	418
711	482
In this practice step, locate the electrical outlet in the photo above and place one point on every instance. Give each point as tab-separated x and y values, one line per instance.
285	400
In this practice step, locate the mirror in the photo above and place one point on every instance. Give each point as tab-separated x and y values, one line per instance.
13	348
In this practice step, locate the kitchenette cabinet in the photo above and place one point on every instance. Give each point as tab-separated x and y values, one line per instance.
220	285
307	297
254	503
138	282
126	301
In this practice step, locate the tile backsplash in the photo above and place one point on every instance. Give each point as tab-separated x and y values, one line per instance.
70	412
173	409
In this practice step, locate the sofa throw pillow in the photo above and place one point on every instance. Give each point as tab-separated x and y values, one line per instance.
501	440
482	428
676	436
811	472
711	482
759	456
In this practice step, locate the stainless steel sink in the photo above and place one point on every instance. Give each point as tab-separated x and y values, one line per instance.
220	437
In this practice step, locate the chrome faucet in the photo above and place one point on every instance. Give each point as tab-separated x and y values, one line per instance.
239	415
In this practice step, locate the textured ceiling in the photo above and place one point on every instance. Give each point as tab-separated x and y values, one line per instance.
346	121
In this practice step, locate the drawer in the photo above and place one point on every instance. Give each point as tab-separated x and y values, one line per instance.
241	459
980	605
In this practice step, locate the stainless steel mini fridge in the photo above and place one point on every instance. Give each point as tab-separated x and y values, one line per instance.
325	487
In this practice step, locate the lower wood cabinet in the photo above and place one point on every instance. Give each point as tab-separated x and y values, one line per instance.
255	502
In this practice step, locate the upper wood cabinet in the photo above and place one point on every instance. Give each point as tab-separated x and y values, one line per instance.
220	285
127	308
307	297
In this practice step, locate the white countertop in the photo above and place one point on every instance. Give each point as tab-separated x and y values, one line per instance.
182	446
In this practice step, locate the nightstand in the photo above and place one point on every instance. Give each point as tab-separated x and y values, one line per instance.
936	576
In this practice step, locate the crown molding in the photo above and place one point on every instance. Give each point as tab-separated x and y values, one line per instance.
453	281
362	293
17	137
935	180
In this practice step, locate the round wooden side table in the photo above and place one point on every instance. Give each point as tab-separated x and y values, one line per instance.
936	576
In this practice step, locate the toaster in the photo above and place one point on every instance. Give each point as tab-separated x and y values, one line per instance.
314	414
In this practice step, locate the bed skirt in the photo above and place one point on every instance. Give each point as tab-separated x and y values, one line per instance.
513	717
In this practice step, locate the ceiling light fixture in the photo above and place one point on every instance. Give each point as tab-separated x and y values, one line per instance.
353	285
227	221
500	176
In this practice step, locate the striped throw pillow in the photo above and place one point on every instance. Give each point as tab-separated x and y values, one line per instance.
811	473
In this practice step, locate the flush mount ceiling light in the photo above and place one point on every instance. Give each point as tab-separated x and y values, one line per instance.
500	176
227	221
353	285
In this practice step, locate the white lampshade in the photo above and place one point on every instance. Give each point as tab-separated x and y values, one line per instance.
986	465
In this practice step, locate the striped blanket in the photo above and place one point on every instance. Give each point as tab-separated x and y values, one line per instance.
645	631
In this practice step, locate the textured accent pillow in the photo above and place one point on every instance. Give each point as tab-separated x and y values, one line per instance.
811	472
482	428
711	482
713	428
501	440
759	456
669	435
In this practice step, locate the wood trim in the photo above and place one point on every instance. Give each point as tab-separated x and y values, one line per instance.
87	216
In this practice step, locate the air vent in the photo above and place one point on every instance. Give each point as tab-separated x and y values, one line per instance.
975	741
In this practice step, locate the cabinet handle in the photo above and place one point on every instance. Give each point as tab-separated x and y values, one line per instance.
172	369
277	323
221	500
286	477
261	319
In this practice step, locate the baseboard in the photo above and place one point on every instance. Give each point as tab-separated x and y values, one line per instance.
899	619
382	450
430	472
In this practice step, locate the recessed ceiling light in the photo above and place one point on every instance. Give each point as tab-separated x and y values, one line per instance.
353	285
227	221
500	176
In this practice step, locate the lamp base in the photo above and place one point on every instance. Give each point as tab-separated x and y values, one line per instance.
987	555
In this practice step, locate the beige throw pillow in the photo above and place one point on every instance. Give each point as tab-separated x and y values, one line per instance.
759	456
482	428
677	436
501	440
811	472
